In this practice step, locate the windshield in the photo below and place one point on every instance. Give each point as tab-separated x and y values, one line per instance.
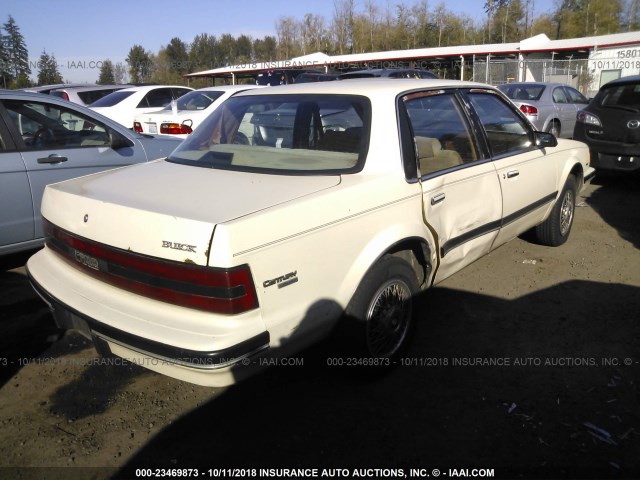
196	100
286	134
621	96
112	99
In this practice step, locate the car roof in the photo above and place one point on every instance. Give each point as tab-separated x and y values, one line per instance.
623	80
144	88
227	88
531	84
365	86
89	87
46	88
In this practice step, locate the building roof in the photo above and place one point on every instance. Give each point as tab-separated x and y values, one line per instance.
539	43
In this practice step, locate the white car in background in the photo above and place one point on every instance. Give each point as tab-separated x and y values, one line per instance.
123	106
179	119
87	94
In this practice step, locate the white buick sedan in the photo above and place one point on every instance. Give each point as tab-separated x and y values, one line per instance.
296	209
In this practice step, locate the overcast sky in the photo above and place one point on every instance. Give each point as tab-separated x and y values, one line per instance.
82	34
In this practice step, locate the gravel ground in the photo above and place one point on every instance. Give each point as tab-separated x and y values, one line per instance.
526	362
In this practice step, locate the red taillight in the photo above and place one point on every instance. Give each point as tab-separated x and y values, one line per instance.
65	95
137	127
175	128
220	290
528	109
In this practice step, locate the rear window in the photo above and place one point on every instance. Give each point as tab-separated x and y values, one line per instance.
197	100
90	96
112	99
523	92
620	96
284	134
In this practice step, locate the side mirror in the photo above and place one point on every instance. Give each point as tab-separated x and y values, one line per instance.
544	139
117	140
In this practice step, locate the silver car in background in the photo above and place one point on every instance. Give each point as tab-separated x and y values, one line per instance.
551	107
45	139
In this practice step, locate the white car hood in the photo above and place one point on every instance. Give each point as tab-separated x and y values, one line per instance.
165	209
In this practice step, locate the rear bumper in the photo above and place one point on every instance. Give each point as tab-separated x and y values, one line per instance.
618	156
620	163
215	367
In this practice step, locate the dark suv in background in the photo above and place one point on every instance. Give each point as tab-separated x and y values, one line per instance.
610	125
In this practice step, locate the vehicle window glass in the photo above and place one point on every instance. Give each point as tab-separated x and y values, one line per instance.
559	96
159	97
292	134
197	100
523	92
440	132
91	96
621	96
46	126
112	99
179	92
506	131
575	96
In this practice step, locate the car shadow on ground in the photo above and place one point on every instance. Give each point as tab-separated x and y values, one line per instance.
542	386
617	203
28	334
26	326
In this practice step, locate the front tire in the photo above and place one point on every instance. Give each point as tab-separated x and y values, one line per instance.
554	231
381	310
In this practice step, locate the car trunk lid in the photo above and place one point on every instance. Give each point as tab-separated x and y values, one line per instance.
167	210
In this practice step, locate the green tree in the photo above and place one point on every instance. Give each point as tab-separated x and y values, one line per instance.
15	55
107	76
266	49
227	49
580	18
48	74
140	64
177	56
203	53
244	51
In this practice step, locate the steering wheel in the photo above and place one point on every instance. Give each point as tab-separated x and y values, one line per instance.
240	139
42	137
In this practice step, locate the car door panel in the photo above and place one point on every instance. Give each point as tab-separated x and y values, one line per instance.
454	176
57	143
16	213
527	174
465	227
522	179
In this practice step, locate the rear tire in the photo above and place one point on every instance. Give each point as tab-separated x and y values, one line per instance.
554	231
554	128
381	311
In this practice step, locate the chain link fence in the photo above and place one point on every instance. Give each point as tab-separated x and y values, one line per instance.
587	75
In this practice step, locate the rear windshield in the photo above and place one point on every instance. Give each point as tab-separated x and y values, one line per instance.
197	100
285	134
112	99
620	96
90	96
523	92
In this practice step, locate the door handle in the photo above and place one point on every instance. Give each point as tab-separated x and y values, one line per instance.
513	173
437	199
53	158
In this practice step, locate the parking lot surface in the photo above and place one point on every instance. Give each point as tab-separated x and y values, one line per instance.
526	363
